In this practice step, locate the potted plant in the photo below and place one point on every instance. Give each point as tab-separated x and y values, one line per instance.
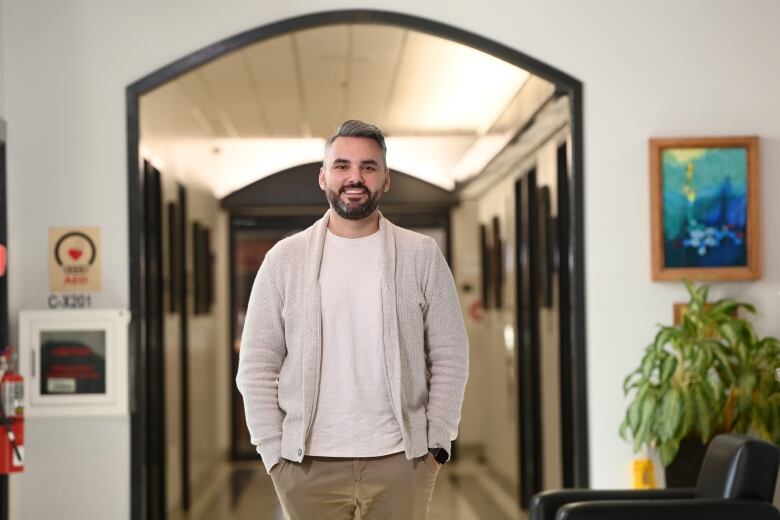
709	374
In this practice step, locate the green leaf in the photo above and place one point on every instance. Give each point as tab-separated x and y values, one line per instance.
667	368
702	413
668	450
704	293
632	380
689	414
747	383
723	309
623	430
645	421
664	336
670	414
648	363
728	332
723	362
692	292
634	413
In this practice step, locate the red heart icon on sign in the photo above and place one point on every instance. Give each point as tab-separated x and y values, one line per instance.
74	253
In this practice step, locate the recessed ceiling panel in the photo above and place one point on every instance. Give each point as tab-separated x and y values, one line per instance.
376	51
445	87
230	84
323	54
202	102
272	64
168	111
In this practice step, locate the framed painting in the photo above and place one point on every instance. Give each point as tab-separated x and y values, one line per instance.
202	275
497	264
705	219
485	264
546	238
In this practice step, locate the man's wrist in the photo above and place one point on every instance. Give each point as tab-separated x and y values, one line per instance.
440	455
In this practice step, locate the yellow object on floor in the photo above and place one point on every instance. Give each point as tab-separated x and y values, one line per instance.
644	474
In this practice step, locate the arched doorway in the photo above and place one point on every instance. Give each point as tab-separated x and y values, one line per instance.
572	363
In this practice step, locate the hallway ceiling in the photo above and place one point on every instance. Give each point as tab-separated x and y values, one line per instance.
279	98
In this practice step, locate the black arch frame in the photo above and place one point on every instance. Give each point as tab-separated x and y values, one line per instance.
575	263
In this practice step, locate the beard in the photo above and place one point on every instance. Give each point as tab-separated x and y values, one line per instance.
353	210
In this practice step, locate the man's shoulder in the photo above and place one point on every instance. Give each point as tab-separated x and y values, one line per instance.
406	238
290	247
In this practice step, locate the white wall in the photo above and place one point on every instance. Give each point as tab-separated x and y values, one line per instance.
466	269
209	351
701	67
2	69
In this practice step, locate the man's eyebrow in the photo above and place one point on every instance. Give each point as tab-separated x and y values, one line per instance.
340	161
370	161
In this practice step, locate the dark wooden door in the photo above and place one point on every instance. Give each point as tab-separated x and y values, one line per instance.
154	345
528	365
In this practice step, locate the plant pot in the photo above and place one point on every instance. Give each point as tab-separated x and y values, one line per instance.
684	469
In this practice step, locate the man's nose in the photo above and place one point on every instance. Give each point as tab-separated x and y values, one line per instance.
355	175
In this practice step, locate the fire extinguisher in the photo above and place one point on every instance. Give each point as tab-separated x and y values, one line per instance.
11	417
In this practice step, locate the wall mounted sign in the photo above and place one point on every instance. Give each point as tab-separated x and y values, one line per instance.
74	260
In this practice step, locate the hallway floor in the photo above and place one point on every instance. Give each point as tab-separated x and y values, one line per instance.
464	491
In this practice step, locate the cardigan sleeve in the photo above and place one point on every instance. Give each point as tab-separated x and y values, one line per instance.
447	352
262	352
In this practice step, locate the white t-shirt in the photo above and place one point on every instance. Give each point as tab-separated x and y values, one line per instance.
354	415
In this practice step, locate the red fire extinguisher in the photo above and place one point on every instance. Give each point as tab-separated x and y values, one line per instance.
11	417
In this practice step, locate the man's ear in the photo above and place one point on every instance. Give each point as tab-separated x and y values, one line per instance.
322	177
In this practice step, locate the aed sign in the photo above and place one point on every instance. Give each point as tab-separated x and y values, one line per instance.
74	260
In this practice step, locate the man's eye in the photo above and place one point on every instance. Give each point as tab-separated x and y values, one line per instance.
341	166
370	168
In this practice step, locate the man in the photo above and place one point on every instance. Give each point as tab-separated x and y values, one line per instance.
354	355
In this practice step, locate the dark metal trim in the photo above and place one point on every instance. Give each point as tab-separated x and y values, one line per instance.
567	84
155	318
231	337
564	309
184	347
135	345
4	327
576	266
527	357
4	493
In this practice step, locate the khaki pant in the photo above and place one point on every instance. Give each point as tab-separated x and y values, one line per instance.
379	488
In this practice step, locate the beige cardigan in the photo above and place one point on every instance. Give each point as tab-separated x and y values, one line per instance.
425	343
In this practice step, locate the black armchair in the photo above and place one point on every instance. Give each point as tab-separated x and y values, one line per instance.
736	481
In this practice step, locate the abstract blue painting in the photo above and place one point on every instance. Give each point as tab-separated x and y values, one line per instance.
705	207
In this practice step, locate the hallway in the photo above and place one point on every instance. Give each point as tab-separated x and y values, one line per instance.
464	491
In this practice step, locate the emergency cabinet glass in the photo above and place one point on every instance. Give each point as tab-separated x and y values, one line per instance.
73	362
76	361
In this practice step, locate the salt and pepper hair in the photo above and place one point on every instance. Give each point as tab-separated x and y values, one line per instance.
355	128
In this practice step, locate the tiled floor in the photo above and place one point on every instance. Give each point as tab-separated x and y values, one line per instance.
464	491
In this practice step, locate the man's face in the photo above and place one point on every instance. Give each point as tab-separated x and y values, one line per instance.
354	177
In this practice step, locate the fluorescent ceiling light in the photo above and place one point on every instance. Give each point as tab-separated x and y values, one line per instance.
449	87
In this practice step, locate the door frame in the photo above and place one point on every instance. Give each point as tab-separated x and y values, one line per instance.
238	222
575	263
4	332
